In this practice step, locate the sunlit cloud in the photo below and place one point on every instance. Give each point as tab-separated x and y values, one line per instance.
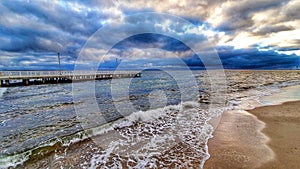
290	52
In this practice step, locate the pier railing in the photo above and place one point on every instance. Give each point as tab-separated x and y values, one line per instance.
20	74
9	78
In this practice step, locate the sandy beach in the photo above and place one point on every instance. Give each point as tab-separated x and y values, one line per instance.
265	137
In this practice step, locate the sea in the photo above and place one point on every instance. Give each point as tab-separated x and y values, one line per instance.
162	119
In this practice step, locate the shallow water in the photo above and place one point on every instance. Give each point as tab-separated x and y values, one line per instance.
287	94
155	117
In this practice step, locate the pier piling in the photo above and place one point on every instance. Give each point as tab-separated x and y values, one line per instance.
6	83
25	82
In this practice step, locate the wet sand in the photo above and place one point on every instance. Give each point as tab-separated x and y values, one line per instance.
270	139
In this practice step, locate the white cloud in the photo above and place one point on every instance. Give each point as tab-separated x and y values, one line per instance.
151	53
296	52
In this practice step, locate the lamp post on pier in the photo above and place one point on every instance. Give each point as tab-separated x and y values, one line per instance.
116	63
58	55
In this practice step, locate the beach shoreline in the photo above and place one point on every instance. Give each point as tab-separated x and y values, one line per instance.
264	137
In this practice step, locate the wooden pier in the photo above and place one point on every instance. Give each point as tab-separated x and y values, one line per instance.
12	78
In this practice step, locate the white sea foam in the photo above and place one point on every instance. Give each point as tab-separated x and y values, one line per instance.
7	161
267	95
14	161
2	91
154	133
291	93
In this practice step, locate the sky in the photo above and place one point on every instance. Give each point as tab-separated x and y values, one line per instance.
243	34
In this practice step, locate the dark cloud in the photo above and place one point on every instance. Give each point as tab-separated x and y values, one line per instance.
294	48
273	29
255	59
47	20
40	27
291	11
249	59
237	14
65	19
150	40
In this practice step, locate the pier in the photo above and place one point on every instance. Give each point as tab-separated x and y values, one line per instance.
13	78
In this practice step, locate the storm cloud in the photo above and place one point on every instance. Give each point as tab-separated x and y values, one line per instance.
245	34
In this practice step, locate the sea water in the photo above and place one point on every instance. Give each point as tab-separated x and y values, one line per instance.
59	125
287	94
